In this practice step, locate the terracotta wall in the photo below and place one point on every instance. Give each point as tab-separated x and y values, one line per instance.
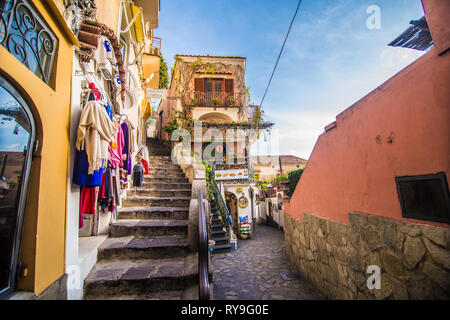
353	167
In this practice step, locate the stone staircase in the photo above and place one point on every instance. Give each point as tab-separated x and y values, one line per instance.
146	255
218	233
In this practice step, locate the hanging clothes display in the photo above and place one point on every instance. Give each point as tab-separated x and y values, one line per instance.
126	148
116	186
100	140
127	151
106	192
81	177
115	149
95	131
143	151
138	174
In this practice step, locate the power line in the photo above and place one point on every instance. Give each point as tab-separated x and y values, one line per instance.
279	55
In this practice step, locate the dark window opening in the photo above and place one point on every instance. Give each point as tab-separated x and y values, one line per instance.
424	197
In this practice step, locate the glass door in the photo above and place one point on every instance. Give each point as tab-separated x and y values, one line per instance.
16	139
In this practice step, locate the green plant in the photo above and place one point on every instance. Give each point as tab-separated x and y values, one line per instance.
215	101
179	119
280	178
163	74
194	102
208	175
293	178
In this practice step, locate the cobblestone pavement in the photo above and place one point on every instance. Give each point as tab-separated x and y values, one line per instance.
259	270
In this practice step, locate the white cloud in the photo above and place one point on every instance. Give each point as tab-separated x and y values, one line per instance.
296	132
392	60
12	147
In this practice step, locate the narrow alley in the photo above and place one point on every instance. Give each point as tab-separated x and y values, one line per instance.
259	270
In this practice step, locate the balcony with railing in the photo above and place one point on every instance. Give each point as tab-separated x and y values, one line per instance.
153	46
213	99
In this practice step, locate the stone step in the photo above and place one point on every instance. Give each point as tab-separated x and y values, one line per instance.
148	228
218	233
165	185
126	248
158	151
167	158
166	166
216	227
164	170
159	295
143	201
165	173
166	179
160	192
158	160
140	277
216	220
222	248
220	240
159	213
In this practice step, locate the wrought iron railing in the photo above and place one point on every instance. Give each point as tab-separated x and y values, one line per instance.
213	99
154	46
203	252
27	37
224	213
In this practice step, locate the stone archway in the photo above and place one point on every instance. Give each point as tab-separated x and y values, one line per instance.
216	117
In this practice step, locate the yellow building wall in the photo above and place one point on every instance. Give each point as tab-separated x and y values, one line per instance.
150	64
43	236
108	13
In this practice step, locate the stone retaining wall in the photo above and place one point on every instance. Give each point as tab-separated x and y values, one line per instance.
414	259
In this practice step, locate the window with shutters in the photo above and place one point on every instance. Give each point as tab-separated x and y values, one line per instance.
213	92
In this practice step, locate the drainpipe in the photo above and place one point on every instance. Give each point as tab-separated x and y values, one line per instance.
5	160
281	168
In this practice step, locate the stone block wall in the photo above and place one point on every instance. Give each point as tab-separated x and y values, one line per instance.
414	259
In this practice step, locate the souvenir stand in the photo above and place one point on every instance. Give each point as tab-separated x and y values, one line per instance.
105	138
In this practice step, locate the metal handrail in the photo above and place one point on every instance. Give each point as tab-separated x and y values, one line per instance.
220	202
203	252
214	99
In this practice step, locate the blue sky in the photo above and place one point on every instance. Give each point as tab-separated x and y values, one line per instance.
8	140
331	58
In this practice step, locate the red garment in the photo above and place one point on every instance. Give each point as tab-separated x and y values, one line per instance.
145	164
101	190
95	91
88	199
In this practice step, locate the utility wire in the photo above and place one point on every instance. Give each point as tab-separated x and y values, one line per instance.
279	55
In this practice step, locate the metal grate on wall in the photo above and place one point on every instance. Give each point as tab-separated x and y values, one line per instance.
24	34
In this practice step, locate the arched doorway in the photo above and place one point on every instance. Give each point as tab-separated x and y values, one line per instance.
17	135
231	201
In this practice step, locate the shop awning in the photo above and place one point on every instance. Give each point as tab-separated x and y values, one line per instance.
134	18
138	23
417	36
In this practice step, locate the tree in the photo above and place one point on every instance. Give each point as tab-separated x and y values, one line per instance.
163	74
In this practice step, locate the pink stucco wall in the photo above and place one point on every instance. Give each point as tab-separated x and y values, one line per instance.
350	171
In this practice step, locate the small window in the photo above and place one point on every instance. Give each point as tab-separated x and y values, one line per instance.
27	37
424	197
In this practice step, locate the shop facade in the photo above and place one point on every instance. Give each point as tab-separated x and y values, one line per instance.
107	72
35	79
